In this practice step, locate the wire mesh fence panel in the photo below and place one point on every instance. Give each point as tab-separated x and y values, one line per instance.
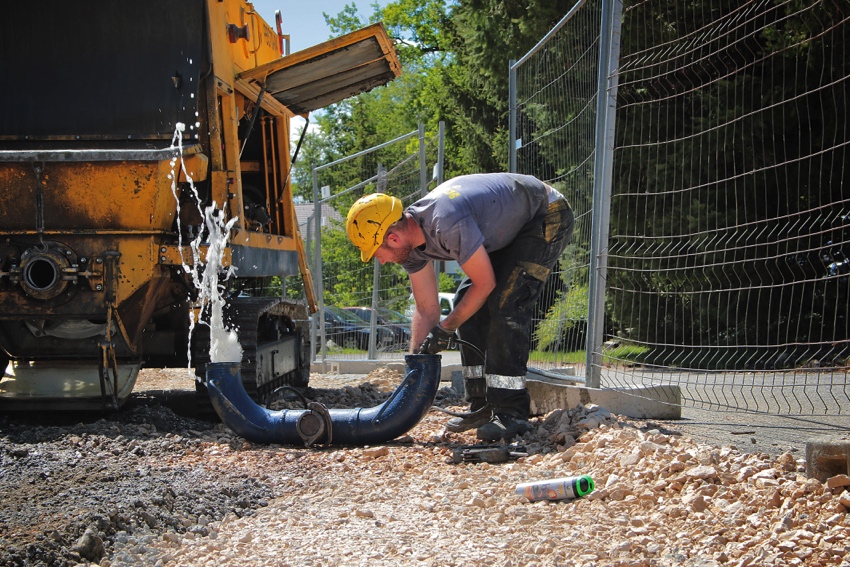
555	122
727	256
355	307
728	253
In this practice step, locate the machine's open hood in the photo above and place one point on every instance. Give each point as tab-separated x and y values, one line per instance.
329	72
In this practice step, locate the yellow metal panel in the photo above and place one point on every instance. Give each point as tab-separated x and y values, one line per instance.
136	265
263	44
262	240
17	196
255	42
223	67
195	166
87	195
171	255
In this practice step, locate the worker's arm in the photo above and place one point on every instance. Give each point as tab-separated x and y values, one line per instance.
427	313
480	272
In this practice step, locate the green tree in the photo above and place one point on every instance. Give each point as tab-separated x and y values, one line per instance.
455	69
455	58
484	35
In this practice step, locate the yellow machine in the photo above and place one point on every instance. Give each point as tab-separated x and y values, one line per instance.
96	205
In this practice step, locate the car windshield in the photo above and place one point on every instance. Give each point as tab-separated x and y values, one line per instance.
393	316
346	316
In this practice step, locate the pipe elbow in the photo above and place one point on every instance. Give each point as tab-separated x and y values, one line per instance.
405	407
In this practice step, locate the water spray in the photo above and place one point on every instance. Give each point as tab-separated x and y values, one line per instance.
207	269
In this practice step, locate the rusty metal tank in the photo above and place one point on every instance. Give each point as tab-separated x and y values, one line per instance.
98	200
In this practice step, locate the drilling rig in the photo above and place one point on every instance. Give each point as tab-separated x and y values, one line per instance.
98	203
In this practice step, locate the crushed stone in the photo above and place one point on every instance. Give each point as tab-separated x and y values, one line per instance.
154	485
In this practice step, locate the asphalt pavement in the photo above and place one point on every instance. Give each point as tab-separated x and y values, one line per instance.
710	415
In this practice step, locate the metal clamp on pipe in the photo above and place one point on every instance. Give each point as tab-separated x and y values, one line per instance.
311	425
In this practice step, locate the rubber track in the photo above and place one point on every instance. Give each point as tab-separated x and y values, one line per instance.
244	315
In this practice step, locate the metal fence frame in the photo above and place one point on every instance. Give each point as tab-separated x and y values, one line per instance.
707	389
380	180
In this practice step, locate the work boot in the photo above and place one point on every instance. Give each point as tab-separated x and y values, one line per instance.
472	420
474	392
502	426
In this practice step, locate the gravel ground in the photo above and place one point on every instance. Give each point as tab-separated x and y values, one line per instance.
155	485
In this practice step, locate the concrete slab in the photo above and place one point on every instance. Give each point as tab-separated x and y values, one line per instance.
547	393
827	456
639	402
566	375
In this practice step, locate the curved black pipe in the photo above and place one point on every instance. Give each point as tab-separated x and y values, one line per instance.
407	405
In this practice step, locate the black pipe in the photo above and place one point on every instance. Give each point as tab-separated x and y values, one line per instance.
407	405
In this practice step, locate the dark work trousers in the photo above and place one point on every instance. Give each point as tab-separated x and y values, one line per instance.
501	329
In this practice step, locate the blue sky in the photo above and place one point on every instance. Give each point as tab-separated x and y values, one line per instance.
303	20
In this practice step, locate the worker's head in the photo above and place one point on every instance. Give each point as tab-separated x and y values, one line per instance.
368	221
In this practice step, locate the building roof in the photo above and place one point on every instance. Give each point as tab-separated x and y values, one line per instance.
304	211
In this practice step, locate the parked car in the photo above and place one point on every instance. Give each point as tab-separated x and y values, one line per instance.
447	303
398	323
349	331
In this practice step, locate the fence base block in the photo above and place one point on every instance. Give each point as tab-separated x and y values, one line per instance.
640	402
827	457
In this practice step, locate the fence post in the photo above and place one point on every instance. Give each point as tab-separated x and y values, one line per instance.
423	166
319	316
308	240
308	247
606	99
512	116
376	279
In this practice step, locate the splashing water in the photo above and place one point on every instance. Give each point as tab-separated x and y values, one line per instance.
207	272
224	342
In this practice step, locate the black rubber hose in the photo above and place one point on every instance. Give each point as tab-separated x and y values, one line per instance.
407	405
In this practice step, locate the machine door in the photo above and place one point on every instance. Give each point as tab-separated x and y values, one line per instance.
329	72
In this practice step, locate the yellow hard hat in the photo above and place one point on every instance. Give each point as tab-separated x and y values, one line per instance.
368	221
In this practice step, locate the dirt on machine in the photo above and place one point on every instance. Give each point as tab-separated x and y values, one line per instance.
98	204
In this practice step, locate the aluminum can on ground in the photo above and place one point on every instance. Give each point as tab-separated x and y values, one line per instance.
566	488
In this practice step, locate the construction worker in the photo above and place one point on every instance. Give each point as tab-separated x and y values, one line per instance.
506	231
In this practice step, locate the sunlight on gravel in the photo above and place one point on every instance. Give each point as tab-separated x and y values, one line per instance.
215	499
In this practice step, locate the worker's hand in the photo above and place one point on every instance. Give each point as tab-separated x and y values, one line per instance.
437	340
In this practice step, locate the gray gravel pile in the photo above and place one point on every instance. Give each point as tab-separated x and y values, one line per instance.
363	395
79	491
154	486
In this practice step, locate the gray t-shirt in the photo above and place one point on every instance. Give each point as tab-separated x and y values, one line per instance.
465	212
